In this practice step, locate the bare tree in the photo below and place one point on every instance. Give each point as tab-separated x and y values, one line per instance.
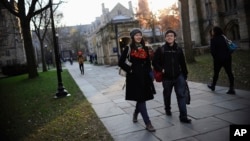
78	39
20	10
187	32
41	23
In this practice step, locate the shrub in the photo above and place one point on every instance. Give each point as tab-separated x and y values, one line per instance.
13	70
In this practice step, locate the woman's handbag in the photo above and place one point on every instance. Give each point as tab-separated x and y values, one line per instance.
157	75
187	94
121	71
230	44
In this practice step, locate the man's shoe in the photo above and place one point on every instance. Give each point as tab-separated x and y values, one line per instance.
135	115
169	113
212	87
185	120
231	91
150	127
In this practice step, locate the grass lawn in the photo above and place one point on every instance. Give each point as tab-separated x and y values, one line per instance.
202	70
30	113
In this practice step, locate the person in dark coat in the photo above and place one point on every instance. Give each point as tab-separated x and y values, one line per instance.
169	59
139	82
221	58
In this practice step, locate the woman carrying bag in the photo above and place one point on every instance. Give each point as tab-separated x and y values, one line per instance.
139	81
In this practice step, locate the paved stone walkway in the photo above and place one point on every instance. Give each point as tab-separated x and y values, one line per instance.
211	112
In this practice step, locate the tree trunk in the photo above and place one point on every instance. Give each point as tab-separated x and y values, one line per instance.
44	54
29	49
188	45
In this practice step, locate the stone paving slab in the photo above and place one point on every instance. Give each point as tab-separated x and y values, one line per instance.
211	112
216	135
136	136
241	118
175	132
107	109
206	111
121	124
208	124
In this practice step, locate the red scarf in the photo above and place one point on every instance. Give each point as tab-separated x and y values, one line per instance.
140	53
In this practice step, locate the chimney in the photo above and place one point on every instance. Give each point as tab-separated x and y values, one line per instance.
103	8
130	7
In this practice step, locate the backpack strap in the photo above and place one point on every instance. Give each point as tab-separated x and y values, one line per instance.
162	49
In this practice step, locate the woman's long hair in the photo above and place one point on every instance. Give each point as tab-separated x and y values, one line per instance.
133	43
217	31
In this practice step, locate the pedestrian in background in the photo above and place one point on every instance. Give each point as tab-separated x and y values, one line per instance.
169	59
80	59
221	58
139	83
71	60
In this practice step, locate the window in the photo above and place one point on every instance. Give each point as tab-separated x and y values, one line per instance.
230	5
119	12
208	9
7	53
235	33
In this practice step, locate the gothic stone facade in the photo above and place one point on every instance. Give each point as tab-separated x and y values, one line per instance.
110	33
11	43
111	40
233	16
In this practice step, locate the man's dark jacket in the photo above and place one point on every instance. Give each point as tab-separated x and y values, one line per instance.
172	60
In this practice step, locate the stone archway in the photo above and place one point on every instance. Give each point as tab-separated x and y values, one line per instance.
232	30
123	42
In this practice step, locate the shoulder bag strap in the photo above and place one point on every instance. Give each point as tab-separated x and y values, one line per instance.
128	54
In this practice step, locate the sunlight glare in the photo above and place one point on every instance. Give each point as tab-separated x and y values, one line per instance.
156	5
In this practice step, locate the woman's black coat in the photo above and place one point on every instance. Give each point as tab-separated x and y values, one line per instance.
219	49
139	83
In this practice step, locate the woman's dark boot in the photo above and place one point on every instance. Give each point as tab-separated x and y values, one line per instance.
135	115
231	91
211	86
150	127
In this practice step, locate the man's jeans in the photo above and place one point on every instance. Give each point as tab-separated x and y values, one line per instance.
179	87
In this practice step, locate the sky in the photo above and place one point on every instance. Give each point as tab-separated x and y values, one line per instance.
78	12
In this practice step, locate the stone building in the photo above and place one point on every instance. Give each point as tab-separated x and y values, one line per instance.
233	16
110	33
11	43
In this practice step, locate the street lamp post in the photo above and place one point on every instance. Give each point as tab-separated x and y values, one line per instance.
46	55
61	91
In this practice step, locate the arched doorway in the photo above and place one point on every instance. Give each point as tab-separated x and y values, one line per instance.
232	30
123	42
